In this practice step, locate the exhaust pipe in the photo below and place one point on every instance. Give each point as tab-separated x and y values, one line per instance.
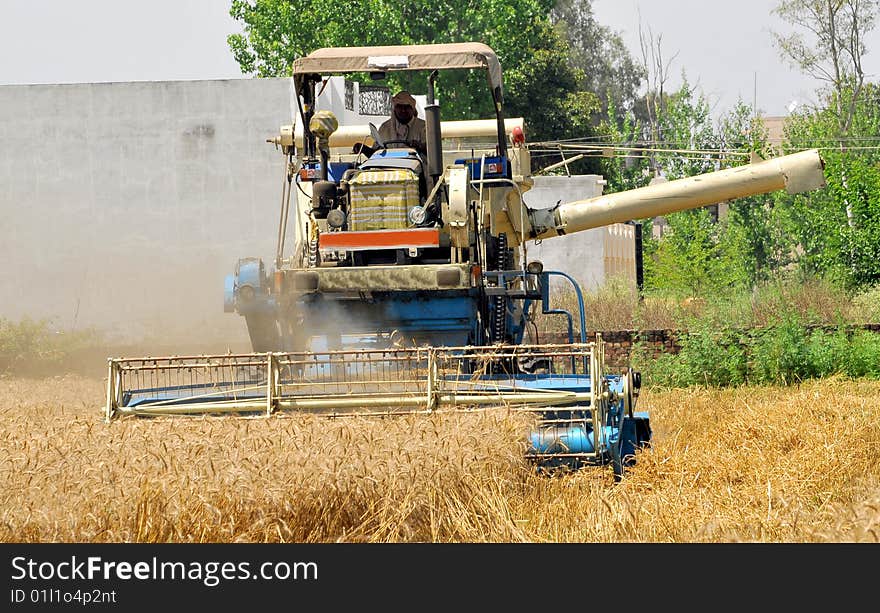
433	135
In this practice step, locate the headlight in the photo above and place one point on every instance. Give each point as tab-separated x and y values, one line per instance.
418	215
336	218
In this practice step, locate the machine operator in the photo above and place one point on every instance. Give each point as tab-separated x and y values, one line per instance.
403	129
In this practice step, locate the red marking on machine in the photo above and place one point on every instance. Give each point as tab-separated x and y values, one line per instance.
518	137
380	239
309	174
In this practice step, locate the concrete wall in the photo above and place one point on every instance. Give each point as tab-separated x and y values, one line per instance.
124	205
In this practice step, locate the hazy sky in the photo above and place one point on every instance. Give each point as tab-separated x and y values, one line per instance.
725	46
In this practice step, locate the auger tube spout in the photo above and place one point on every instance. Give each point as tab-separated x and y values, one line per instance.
796	173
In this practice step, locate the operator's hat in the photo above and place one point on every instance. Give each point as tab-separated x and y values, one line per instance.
404	97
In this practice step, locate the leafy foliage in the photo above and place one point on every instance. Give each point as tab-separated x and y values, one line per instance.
786	353
608	69
700	253
710	357
837	230
690	261
32	346
828	43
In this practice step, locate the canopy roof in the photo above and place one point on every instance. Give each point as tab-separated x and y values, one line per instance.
401	57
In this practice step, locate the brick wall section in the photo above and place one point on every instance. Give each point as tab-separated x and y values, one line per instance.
619	343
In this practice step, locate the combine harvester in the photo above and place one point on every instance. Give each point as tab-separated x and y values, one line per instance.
408	288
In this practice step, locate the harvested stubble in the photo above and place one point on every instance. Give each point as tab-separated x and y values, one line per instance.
754	464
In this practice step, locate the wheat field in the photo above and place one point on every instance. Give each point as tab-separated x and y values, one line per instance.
795	464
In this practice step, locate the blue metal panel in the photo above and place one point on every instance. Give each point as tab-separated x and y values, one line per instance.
249	273
570	439
392	153
443	318
636	432
496	167
436	313
335	170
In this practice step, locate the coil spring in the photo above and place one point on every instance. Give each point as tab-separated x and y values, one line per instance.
314	257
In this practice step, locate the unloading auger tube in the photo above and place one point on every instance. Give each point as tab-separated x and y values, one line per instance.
795	173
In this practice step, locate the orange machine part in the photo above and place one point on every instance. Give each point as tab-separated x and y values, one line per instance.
380	239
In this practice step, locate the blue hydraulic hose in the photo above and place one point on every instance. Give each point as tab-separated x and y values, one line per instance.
580	297
568	315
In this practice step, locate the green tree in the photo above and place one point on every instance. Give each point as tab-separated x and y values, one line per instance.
686	124
540	82
694	258
754	245
608	68
276	32
829	45
665	145
563	110
836	231
623	172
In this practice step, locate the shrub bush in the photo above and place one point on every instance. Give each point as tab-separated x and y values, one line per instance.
714	357
32	347
784	353
861	357
780	353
